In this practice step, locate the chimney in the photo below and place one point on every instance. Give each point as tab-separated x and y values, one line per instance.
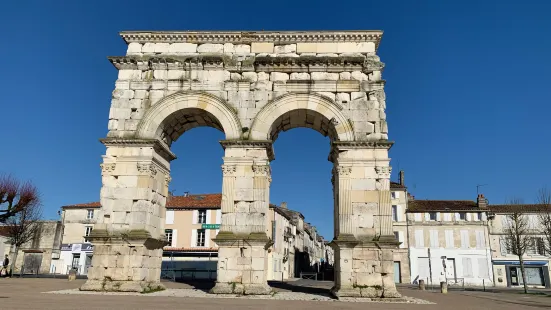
481	201
402	178
283	205
186	194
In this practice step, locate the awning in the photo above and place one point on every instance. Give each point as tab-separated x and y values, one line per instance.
516	262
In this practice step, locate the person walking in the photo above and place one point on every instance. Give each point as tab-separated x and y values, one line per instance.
5	264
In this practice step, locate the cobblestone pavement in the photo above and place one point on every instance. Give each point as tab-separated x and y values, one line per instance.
29	294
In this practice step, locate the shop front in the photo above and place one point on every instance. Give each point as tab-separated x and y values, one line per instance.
537	273
76	256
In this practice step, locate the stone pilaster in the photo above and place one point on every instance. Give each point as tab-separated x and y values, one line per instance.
345	214
385	204
242	240
129	234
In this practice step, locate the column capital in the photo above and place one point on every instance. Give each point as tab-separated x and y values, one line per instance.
229	170
107	168
342	171
160	147
383	172
262	170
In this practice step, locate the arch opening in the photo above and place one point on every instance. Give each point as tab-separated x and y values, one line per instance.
174	125
303	118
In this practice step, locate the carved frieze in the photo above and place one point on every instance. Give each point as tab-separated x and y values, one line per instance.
107	168
342	171
168	178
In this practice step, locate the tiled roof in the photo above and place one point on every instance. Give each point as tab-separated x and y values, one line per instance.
396	185
442	205
207	201
520	207
95	204
190	249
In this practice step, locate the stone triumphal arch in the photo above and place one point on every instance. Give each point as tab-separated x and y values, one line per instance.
251	86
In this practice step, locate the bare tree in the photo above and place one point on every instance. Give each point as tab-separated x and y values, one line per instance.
15	197
517	229
22	227
544	199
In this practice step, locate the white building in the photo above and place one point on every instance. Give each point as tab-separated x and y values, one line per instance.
448	241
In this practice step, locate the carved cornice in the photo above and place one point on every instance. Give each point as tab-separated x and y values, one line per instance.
259	63
250	144
277	37
380	144
147	168
159	147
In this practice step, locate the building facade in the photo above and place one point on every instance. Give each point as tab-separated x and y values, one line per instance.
506	265
399	198
449	241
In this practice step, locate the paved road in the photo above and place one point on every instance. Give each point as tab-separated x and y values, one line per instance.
27	294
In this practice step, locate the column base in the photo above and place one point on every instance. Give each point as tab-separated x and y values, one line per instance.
365	292
241	289
121	286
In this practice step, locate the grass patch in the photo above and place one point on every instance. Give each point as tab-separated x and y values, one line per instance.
152	289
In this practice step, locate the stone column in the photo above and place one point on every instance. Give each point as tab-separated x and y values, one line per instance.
363	246
242	240
129	234
385	204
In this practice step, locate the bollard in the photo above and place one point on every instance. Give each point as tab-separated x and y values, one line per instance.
72	275
422	285
443	287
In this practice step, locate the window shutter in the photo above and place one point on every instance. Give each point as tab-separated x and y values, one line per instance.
503	246
218	216
465	239
207	220
401	239
434	238
438	216
419	238
399	213
457	216
174	242
418	217
169	217
467	216
449	239
207	237
427	217
483	268
193	238
480	240
397	194
467	267
195	216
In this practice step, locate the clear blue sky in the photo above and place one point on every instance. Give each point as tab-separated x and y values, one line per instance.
468	95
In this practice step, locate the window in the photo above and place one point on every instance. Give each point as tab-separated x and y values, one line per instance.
202	217
479	216
449	239
483	271
462	216
467	267
480	239
87	231
535	247
432	216
90	215
397	235
395	195
168	233
274	234
200	237
395	213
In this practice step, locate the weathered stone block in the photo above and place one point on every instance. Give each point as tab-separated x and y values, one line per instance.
181	48
161	48
288	48
300	76
359	76
324	76
210	48
250	76
262	47
279	76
